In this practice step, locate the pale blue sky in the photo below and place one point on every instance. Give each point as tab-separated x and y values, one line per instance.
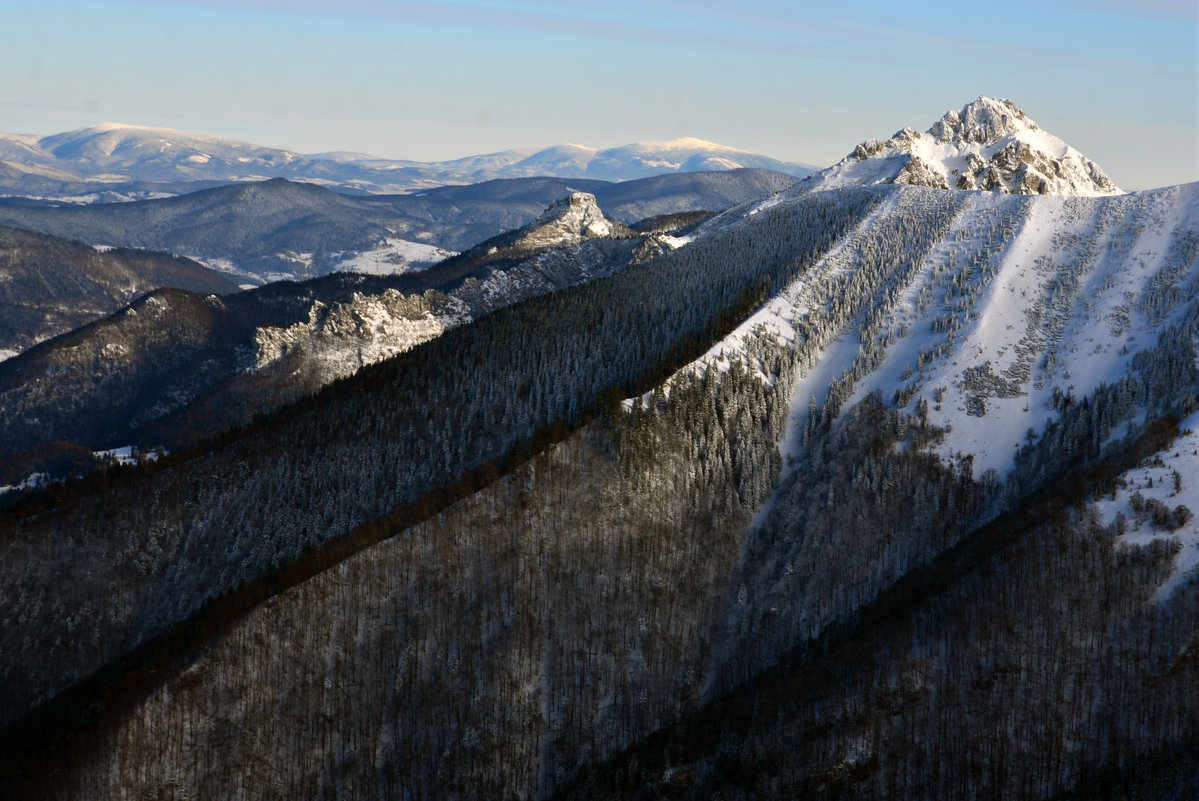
801	81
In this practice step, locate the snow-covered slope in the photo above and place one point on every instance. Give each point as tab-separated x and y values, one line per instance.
133	161
566	160
158	152
991	316
989	145
1157	502
623	163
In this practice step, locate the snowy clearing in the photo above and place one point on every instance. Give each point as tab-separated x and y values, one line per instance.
393	256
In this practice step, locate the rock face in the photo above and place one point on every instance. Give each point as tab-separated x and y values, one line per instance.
983	122
340	338
989	145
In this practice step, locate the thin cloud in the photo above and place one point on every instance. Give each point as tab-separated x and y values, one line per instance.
765	28
1178	10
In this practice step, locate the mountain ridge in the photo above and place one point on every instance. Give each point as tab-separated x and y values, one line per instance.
857	281
49	285
176	362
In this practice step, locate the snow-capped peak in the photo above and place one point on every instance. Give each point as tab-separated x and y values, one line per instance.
686	143
575	147
116	154
989	145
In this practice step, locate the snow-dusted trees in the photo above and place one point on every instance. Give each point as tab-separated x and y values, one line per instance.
524	578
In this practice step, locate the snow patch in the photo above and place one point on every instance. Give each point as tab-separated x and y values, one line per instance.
1171	478
229	268
302	259
128	455
34	480
676	242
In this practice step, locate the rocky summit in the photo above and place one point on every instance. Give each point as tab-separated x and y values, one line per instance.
989	145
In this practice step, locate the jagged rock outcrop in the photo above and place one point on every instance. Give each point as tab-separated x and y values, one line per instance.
342	337
917	173
567	222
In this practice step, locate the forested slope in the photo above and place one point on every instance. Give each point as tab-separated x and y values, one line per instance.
49	286
143	553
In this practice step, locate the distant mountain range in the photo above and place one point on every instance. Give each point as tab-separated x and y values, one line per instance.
111	162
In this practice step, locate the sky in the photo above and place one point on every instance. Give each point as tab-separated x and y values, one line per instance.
800	81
